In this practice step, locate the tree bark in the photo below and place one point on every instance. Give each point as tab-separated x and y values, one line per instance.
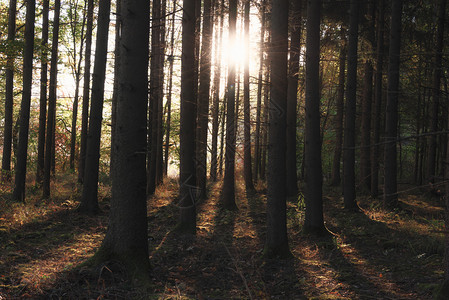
9	92
314	221
391	123
86	92
89	199
336	179
350	116
216	93
247	159
378	101
126	239
155	86
20	176
187	176
432	151
257	150
229	177
203	99
292	94
276	243
43	94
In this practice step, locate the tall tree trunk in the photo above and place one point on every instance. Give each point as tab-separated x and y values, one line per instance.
367	99
187	176
86	91
257	150
20	176
52	94
170	89
77	70
216	92
89	199
247	165
276	243
229	177
118	25
314	221
155	86
160	134
377	101
43	94
127	239
292	94
431	157
9	92
391	116
203	99
351	99
336	179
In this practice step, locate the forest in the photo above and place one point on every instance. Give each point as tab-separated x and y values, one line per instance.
212	149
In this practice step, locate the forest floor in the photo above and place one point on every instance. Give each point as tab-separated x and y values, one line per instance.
374	254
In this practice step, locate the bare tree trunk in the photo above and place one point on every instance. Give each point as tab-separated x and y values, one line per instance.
9	92
51	102
77	70
127	238
216	92
43	94
89	198
257	150
276	244
292	94
229	177
86	91
336	179
20	176
432	152
350	116
377	102
203	99
391	116
170	88
314	221
187	176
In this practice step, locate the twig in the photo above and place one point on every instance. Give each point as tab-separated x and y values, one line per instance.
238	271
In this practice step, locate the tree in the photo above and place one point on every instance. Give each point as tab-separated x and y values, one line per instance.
156	85
126	239
76	69
257	150
86	91
335	180
51	102
20	176
9	92
367	99
431	157
378	100
350	113
43	94
314	221
247	167
216	91
391	114
203	99
187	176
292	94
229	177
89	198
276	243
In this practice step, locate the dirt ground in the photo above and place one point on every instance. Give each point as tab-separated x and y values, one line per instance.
374	254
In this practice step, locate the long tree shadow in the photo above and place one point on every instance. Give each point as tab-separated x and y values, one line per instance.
33	255
386	257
